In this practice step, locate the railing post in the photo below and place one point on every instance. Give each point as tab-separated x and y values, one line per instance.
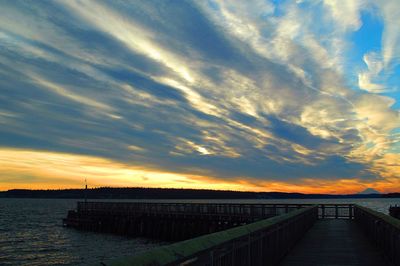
336	211
323	211
350	211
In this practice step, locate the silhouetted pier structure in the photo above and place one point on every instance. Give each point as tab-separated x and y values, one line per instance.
170	221
248	234
394	211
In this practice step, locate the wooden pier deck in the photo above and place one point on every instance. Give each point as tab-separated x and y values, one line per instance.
334	242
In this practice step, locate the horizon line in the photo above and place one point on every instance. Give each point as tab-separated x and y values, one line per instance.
200	189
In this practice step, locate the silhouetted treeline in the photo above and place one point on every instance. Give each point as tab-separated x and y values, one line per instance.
171	193
391	195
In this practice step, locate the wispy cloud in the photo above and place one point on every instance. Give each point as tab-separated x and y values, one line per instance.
224	90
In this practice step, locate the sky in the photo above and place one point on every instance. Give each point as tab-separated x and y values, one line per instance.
293	96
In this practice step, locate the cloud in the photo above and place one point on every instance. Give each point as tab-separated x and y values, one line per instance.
345	14
382	63
217	90
391	36
47	170
129	33
365	83
55	170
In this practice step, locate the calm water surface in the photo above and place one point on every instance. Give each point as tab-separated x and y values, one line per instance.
31	232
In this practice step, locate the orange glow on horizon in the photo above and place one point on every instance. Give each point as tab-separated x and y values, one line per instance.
28	169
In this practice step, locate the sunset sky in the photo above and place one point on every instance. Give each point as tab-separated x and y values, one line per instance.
294	96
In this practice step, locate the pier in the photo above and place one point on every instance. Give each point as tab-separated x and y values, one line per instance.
334	242
394	211
248	234
169	221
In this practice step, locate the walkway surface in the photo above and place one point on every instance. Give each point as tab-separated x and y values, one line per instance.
334	242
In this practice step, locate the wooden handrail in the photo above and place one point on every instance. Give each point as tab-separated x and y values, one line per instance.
382	229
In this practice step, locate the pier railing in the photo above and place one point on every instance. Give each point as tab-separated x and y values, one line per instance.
254	210
216	209
180	221
264	242
382	229
169	221
335	211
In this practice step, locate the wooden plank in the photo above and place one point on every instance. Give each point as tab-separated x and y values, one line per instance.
334	242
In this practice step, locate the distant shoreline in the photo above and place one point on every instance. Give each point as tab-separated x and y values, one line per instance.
173	193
